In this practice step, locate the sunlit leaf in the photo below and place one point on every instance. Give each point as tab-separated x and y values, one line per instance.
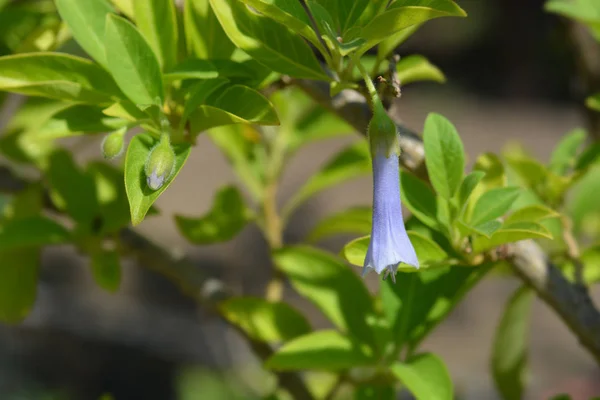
425	376
58	76
132	62
267	41
86	20
321	350
331	285
227	217
263	320
157	21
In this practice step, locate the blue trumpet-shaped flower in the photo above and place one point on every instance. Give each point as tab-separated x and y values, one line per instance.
389	244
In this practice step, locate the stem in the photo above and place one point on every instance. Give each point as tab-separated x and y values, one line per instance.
272	221
347	75
573	252
368	81
273	233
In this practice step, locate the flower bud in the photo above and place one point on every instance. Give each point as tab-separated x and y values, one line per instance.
382	132
112	145
160	164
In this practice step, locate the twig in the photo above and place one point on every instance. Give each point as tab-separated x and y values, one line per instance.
570	301
529	262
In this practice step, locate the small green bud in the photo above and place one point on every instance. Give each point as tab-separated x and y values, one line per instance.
382	131
160	165
113	143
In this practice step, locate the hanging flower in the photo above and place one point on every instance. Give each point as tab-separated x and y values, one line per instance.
389	245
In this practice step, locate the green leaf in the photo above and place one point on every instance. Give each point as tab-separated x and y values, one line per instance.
26	28
72	190
584	11
583	203
263	320
419	199
565	153
486	229
321	350
493	204
195	68
356	220
157	21
140	196
198	93
588	157
417	68
530	171
590	258
345	13
374	8
291	14
33	231
303	121
132	62
27	203
235	104
492	166
228	216
391	43
58	76
467	186
427	251
86	20
17	142
509	356
106	269
126	7
402	15
350	163
78	119
113	207
495	177
242	147
323	19
367	391
267	41
444	155
533	213
204	35
126	110
418	302
425	376
317	124
593	102
331	286
18	283
513	232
